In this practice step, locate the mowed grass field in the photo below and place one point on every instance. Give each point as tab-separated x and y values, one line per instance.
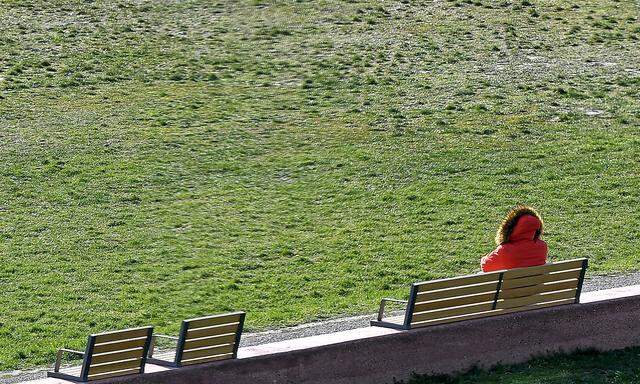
297	159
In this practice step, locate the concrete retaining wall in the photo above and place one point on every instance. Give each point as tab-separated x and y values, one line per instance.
605	320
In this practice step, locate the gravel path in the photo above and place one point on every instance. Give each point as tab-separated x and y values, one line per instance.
595	283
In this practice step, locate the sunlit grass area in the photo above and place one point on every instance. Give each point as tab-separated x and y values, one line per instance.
297	159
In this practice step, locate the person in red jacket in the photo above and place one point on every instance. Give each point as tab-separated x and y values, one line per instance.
518	240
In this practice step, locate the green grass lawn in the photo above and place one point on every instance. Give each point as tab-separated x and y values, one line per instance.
297	159
617	367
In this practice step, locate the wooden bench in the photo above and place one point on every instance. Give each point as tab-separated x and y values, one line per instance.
488	294
202	340
108	354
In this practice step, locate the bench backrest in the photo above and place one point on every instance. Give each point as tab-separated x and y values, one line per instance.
543	286
210	338
493	293
116	353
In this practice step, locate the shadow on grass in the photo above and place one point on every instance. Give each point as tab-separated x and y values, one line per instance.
585	367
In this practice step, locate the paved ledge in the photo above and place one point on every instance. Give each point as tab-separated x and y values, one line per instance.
605	320
610	294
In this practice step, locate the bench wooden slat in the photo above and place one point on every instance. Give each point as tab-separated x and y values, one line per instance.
546	304
463	310
454	302
530	271
539	279
210	341
540	288
452	319
211	331
119	345
537	298
117	356
72	371
214	320
480	315
206	352
537	306
456	292
114	374
208	359
117	366
458	281
121	335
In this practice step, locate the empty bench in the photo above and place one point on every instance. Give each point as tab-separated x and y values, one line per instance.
488	294
202	340
107	355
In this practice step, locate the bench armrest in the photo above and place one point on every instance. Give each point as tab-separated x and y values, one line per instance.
61	351
153	342
383	303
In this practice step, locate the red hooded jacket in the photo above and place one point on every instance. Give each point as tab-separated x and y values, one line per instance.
523	249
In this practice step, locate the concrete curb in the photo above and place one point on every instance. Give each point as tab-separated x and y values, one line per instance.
606	320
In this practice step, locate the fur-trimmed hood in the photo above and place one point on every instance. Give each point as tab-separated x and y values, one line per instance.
521	223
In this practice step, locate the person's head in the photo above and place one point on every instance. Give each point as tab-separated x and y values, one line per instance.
522	222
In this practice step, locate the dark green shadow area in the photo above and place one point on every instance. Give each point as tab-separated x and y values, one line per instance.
587	367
